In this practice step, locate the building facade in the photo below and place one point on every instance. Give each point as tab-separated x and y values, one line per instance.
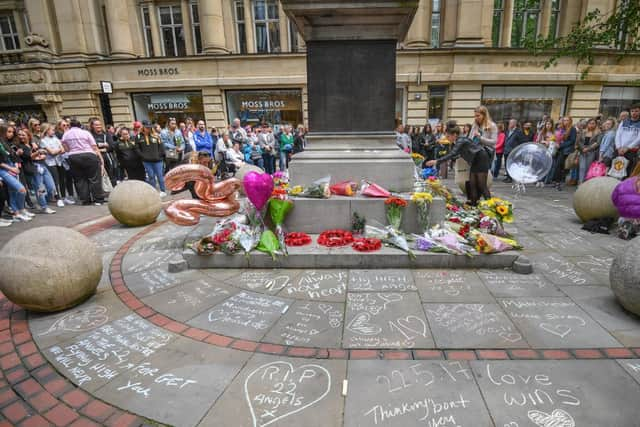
131	60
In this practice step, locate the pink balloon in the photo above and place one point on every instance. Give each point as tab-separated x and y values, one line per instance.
258	188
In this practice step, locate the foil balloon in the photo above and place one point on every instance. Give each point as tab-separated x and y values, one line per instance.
529	163
258	188
626	198
215	199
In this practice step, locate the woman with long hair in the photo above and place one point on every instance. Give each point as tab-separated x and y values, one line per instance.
589	145
474	154
566	138
52	145
10	174
483	132
33	163
427	142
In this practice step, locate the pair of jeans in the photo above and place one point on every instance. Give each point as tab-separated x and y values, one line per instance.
155	173
44	186
284	160
87	176
497	165
269	161
17	191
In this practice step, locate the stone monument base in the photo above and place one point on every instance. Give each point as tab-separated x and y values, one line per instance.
372	156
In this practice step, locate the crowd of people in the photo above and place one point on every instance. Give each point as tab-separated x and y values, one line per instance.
44	165
574	147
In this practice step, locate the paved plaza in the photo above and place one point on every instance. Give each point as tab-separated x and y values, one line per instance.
333	347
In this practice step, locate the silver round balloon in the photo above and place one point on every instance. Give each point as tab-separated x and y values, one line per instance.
529	163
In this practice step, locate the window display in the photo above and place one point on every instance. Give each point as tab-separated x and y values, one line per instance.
159	106
265	106
524	103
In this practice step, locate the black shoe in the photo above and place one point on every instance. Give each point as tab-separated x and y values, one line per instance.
507	180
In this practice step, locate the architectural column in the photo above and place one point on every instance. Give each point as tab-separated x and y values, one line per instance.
119	30
471	24
283	28
69	19
507	24
212	26
249	28
419	35
570	14
545	18
187	26
135	28
449	22
41	21
156	39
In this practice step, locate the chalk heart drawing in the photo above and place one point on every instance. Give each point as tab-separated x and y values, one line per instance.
361	326
80	321
511	337
280	380
558	330
558	418
413	324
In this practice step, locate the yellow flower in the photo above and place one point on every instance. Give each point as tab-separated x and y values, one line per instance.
421	197
502	210
296	190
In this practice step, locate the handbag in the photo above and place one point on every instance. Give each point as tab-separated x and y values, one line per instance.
171	154
596	169
618	168
571	162
287	147
106	182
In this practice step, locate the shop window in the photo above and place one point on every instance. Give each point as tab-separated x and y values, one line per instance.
524	103
195	24
272	107
437	102
526	17
267	30
496	26
435	23
146	25
172	30
9	37
616	99
241	34
158	107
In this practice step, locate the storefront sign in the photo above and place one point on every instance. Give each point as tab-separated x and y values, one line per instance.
263	105
270	106
168	102
153	72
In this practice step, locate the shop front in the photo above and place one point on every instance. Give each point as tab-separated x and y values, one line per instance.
272	107
616	99
524	103
20	108
161	106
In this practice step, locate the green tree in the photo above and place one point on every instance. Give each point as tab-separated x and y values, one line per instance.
619	30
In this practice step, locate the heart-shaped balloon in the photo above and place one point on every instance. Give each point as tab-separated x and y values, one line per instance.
258	188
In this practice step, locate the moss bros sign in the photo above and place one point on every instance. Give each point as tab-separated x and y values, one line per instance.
168	102
154	72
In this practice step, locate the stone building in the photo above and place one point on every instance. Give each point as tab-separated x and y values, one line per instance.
218	59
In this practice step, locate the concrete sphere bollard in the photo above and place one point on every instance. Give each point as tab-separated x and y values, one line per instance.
49	269
625	276
135	203
592	199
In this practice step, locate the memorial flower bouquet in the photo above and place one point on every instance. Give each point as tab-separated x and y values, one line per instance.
318	190
497	208
278	211
436	187
395	207
488	244
389	236
269	244
423	202
417	159
344	188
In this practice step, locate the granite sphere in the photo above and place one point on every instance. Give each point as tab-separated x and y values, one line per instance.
625	276
592	199
135	203
49	269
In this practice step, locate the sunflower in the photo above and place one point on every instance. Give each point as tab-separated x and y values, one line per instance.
502	210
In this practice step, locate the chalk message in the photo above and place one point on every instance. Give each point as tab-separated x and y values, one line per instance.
319	285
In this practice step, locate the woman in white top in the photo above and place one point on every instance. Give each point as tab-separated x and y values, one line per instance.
50	142
484	132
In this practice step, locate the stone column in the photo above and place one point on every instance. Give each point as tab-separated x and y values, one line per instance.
283	28
470	31
249	27
545	18
571	14
156	38
419	35
449	22
69	19
119	30
187	26
39	12
507	24
212	26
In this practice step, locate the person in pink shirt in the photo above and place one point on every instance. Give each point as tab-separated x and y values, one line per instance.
86	163
497	162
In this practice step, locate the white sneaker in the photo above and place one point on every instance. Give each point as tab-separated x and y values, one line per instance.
163	194
28	214
48	211
69	201
98	204
23	218
5	222
60	203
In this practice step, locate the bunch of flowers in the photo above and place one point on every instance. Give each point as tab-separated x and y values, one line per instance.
390	236
296	190
280	179
279	193
436	187
489	244
278	211
334	238
357	223
417	158
423	204
395	207
497	208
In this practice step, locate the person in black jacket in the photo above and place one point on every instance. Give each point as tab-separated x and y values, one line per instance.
514	138
151	151
129	156
474	154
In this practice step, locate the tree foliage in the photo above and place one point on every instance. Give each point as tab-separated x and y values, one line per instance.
619	30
